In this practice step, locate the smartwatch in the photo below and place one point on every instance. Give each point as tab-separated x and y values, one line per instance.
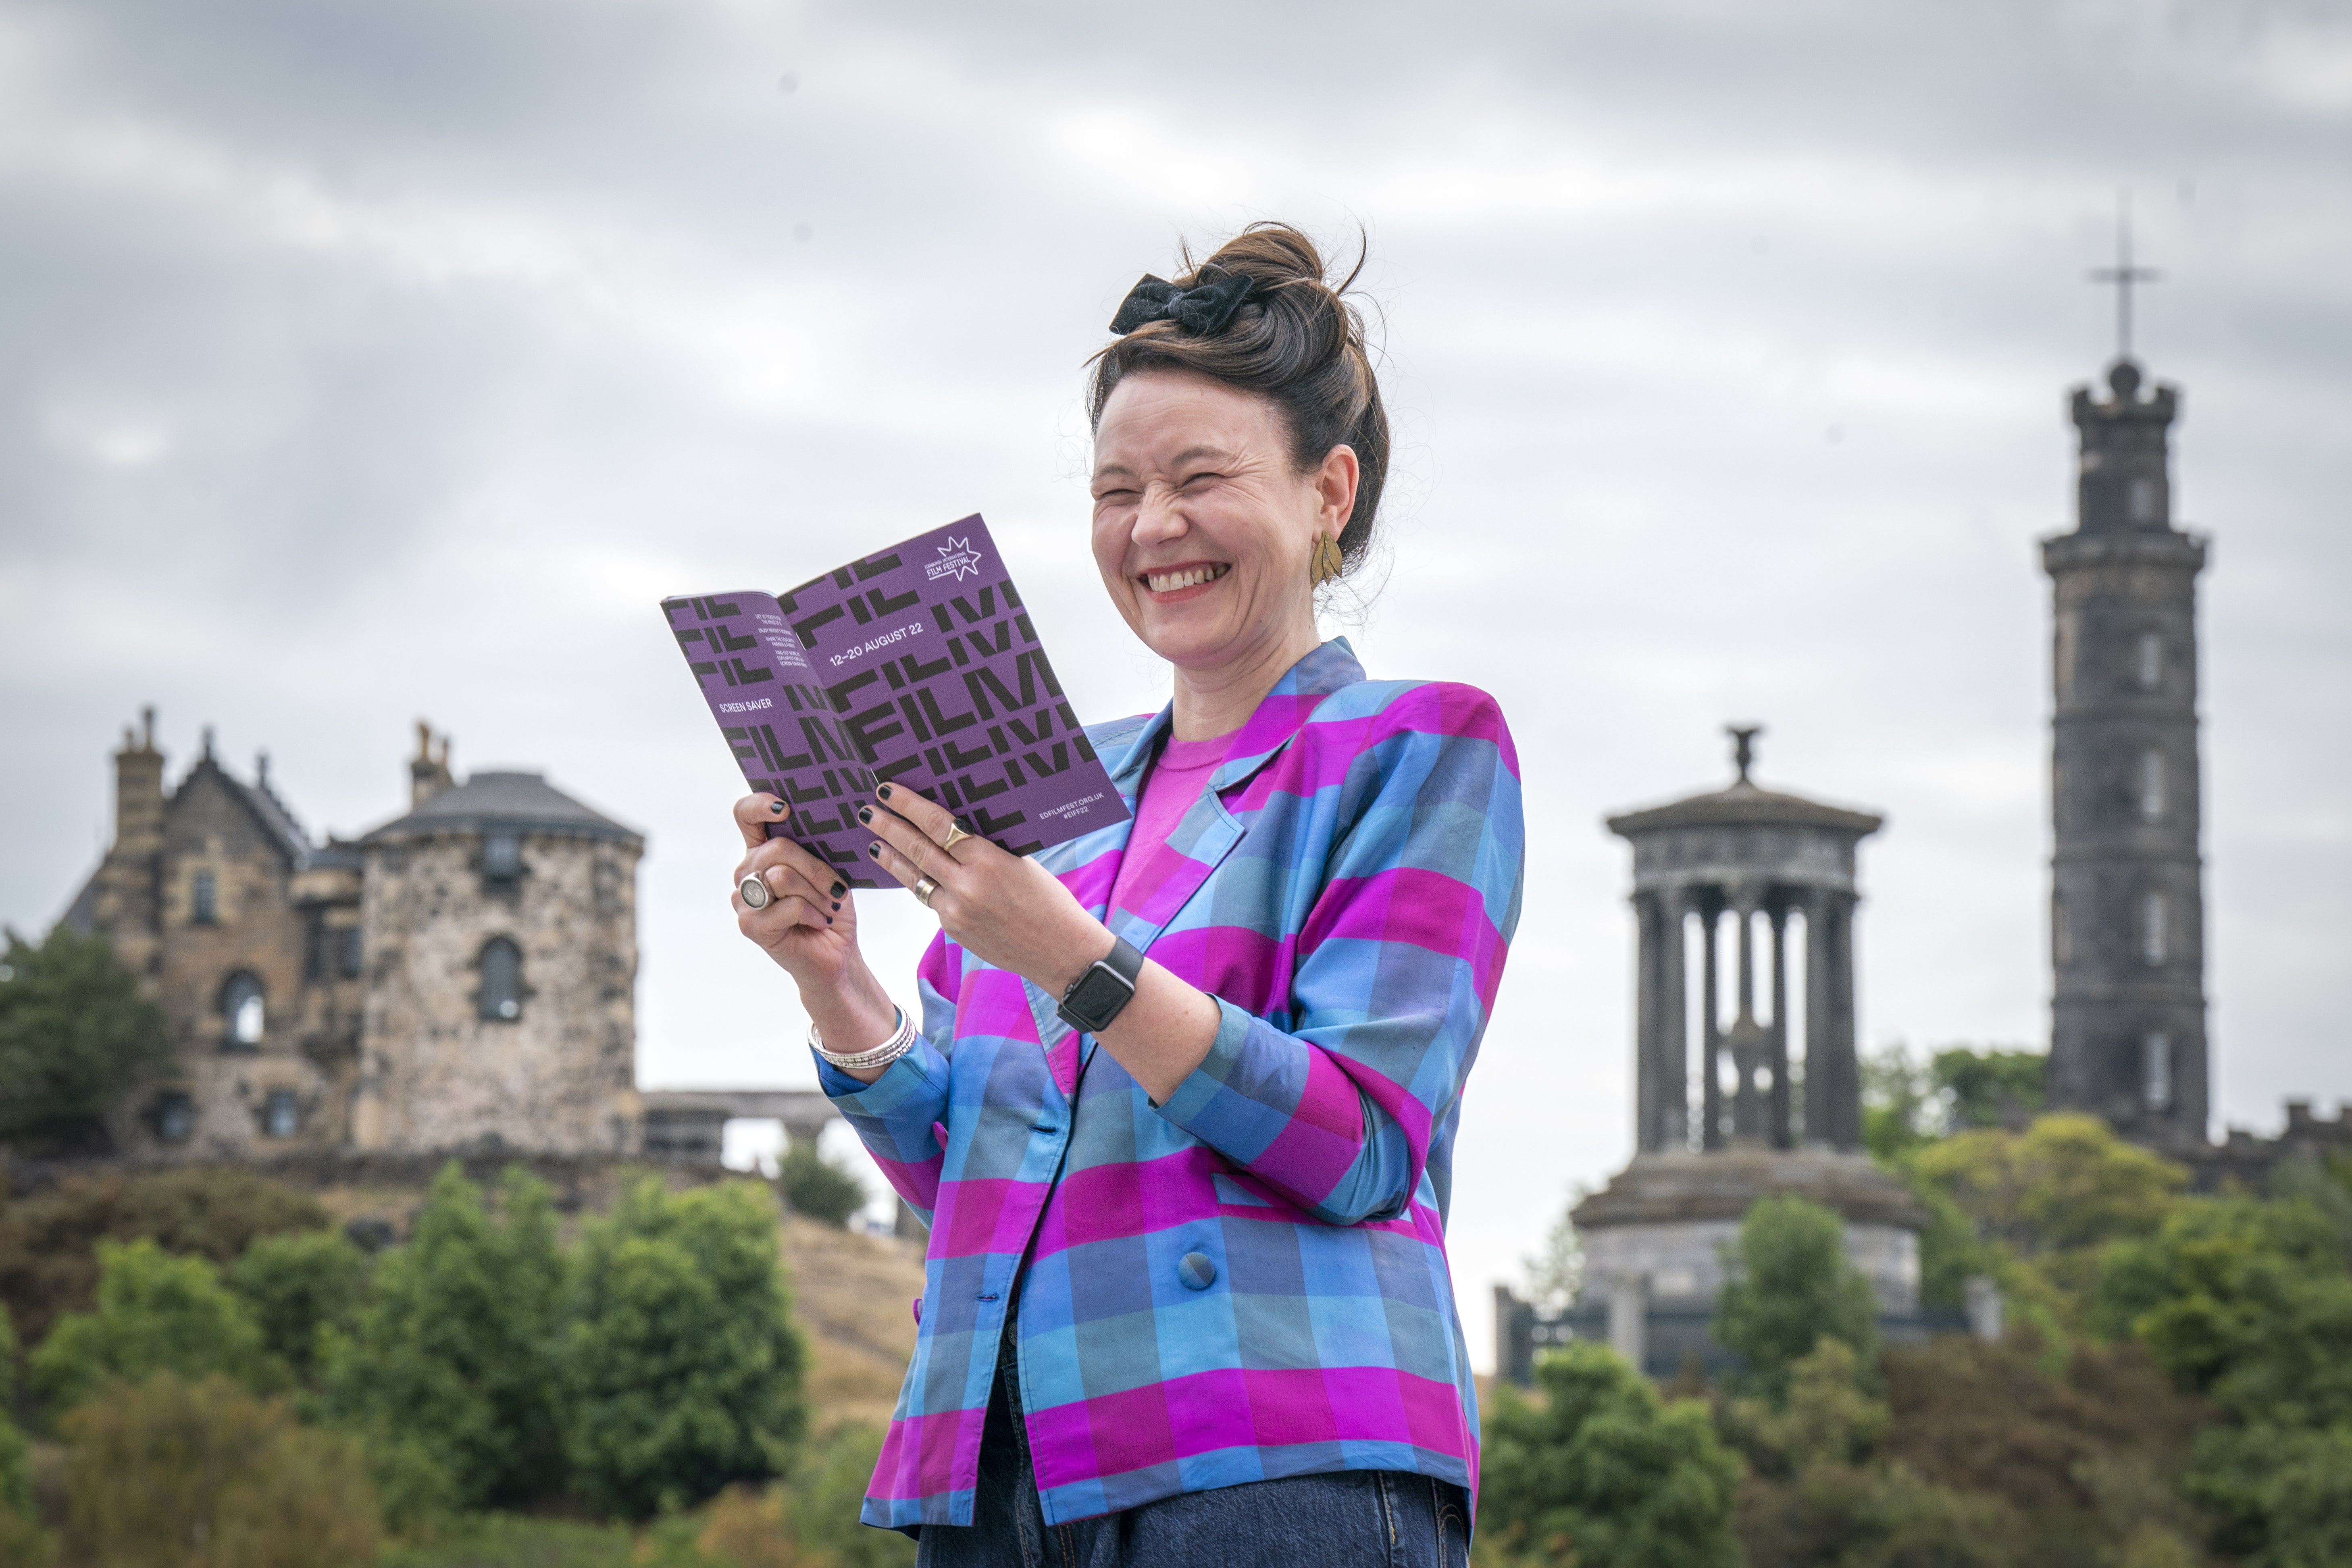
1096	997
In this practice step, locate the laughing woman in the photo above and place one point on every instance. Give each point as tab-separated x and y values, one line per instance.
1181	1104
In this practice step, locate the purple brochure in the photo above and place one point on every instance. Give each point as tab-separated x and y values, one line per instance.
918	665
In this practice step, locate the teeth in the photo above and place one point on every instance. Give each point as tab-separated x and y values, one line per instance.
1170	581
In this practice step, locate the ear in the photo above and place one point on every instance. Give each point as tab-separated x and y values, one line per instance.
1335	489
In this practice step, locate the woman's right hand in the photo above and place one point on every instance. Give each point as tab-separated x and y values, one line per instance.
809	925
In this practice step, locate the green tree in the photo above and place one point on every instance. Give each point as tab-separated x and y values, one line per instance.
294	1286
23	1542
1604	1473
454	1355
1984	1088
1899	1105
817	1187
1792	1288
155	1312
681	1366
75	1030
204	1474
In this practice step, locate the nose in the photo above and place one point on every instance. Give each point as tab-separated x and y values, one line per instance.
1158	518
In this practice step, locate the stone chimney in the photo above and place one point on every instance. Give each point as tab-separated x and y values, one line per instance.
429	770
139	790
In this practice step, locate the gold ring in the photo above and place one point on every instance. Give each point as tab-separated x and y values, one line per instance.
754	891
924	887
956	835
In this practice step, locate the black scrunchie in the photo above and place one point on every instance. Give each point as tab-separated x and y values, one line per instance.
1204	308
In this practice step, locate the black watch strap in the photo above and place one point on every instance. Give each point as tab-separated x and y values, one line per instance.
1099	995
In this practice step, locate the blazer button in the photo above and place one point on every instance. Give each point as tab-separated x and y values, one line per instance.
1196	1270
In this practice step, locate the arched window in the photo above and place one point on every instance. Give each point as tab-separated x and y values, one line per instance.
175	1116
2142	500
501	855
2151	786
2151	661
204	899
281	1115
2156	1070
241	1009
501	981
2151	929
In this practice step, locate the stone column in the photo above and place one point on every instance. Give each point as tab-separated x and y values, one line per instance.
1671	1061
1820	1075
1648	923
1845	1095
1778	1049
1710	1030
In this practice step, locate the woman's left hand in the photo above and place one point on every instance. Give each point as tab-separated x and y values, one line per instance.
1004	909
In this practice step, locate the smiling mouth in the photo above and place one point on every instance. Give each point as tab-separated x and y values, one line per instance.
1183	577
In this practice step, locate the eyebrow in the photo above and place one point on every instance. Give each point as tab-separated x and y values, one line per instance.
1214	453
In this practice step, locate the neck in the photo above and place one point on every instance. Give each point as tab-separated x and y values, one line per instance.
1218	699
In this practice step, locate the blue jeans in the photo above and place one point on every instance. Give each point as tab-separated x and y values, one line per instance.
1349	1517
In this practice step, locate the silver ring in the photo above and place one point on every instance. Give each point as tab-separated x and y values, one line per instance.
924	887
956	835
755	892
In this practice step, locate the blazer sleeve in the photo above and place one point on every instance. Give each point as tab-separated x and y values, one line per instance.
899	1116
1397	963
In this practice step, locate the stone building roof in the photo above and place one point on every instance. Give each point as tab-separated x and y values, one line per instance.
518	800
1744	804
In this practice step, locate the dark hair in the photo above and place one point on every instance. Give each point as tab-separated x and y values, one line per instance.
1295	340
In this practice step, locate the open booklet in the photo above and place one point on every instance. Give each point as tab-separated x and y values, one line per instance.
917	666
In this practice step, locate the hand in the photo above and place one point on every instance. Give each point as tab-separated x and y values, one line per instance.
810	923
1004	909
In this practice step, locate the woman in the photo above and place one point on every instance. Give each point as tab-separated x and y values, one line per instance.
1180	1108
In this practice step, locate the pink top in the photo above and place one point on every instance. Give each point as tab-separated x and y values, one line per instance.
1177	776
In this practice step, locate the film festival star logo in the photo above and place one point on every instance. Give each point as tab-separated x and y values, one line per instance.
957	559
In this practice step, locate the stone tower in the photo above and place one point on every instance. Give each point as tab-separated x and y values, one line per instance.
2127	901
500	923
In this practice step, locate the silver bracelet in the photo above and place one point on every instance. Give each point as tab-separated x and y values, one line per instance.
902	1040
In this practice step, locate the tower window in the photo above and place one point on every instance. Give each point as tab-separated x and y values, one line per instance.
2151	661
204	902
2151	929
281	1116
175	1117
2156	1070
502	855
2151	786
2142	500
502	1001
241	1005
349	943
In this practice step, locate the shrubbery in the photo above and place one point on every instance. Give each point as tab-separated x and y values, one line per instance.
681	1368
156	1313
815	1186
455	1352
1604	1473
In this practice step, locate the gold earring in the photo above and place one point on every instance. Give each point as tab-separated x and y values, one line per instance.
1324	564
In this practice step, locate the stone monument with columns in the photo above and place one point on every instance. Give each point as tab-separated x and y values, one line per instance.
1747	1080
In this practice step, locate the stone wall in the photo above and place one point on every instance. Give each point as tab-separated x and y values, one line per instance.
434	1073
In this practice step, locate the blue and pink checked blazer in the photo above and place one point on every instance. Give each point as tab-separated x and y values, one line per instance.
1248	1281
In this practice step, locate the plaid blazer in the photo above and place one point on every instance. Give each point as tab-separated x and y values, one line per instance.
1248	1281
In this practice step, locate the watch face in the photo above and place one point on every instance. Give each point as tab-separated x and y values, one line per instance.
1098	993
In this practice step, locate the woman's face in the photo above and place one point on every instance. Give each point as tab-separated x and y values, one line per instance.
1201	527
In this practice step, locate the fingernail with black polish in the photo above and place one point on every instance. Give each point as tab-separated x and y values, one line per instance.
884	792
828	920
836	889
837	903
875	851
777	807
866	814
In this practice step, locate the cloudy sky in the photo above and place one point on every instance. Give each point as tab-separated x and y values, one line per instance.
360	363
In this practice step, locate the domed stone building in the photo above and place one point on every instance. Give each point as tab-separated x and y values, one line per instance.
463	976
